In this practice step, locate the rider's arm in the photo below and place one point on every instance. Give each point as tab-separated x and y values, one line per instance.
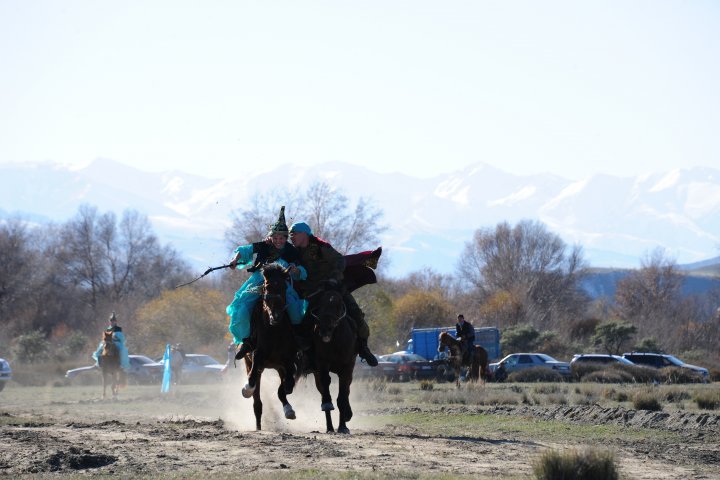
243	256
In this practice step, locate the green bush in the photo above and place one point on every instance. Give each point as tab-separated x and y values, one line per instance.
535	374
647	401
707	400
590	464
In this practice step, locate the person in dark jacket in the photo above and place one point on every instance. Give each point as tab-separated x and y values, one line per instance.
465	332
324	266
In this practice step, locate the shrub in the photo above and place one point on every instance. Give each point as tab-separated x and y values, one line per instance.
608	375
680	375
676	396
580	370
714	374
646	401
707	400
590	464
535	374
642	374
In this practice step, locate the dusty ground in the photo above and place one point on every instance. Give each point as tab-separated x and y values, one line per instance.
209	432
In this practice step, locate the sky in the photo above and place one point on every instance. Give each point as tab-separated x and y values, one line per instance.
418	87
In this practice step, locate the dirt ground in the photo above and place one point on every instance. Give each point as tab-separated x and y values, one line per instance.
209	432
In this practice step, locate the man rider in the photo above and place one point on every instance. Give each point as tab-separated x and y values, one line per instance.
325	264
465	332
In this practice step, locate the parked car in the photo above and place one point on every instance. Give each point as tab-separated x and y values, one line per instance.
200	368
405	366
521	361
5	373
662	360
363	370
143	370
600	358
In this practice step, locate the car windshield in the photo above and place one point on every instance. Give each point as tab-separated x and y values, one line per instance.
204	360
414	357
675	360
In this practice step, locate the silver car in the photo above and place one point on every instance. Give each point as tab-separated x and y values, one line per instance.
521	361
5	373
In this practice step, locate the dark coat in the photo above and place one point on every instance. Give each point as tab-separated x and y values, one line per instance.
267	253
466	331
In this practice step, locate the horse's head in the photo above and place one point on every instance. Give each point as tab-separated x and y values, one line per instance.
275	279
109	347
331	309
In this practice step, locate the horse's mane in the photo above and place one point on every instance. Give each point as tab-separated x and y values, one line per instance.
445	337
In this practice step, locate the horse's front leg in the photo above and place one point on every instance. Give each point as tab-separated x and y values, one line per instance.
254	374
322	383
104	377
288	382
343	401
281	393
257	403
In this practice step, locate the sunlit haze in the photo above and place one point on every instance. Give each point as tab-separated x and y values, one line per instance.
422	88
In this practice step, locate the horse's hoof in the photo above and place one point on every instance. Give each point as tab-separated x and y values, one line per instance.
247	391
327	407
289	412
344	430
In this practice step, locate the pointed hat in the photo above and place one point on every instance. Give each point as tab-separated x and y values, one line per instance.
280	226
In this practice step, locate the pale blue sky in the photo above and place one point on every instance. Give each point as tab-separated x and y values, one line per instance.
420	87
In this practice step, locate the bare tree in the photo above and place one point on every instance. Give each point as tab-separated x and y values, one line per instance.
324	208
530	267
112	260
650	297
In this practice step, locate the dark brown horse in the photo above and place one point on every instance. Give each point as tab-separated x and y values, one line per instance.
334	341
109	360
478	358
274	340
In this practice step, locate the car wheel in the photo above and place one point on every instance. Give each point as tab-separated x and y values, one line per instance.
2	385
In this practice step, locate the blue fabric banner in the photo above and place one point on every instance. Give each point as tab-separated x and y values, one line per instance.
166	373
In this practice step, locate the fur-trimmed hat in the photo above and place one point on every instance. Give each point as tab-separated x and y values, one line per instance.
280	226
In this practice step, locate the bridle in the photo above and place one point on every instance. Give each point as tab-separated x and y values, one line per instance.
334	318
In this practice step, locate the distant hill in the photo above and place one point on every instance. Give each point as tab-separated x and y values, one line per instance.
616	220
697	279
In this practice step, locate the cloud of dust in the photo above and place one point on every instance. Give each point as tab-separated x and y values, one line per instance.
237	411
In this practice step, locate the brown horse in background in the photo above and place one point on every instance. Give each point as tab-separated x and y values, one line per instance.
478	358
109	360
275	342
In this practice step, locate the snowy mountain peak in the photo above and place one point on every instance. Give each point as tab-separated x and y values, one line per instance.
616	219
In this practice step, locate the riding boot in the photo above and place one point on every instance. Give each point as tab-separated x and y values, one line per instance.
245	348
365	353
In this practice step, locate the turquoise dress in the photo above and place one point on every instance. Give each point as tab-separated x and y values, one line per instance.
119	339
249	293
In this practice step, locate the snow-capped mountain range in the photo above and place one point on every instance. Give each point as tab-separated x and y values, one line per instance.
617	220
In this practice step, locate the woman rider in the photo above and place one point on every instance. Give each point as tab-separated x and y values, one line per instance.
274	249
119	339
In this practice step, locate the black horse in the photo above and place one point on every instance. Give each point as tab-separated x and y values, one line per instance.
334	341
275	343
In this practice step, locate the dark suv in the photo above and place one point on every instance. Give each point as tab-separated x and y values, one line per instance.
662	360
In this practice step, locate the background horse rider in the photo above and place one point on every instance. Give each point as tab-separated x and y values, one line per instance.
274	249
465	332
118	339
